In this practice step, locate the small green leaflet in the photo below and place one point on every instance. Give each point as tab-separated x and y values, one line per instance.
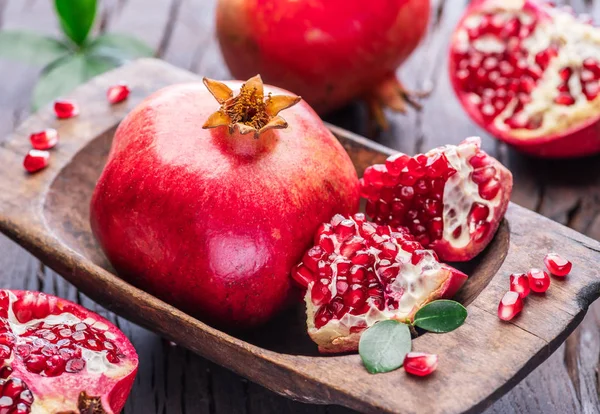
76	18
31	48
384	345
440	316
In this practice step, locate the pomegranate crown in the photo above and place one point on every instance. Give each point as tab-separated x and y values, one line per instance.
249	110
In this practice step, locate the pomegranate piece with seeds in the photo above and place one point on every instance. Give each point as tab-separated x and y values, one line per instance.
359	273
64	108
510	305
539	281
520	283
420	364
557	265
117	93
57	356
451	199
529	73
44	140
36	160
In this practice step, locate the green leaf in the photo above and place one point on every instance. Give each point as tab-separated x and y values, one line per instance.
384	345
119	46
31	48
440	316
76	18
62	76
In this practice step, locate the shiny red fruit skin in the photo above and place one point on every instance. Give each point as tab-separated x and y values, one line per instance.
117	93
519	283
211	222
64	108
44	140
510	306
557	265
577	141
420	364
36	160
539	281
308	46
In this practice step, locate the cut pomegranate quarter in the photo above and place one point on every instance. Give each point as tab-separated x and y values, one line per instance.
58	357
520	283
529	73
539	281
451	199
117	93
557	265
420	364
510	306
36	160
65	109
44	140
359	273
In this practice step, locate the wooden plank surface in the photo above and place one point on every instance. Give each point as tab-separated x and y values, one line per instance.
172	380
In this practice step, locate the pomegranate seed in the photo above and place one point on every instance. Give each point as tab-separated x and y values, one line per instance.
64	108
117	93
539	281
489	190
301	274
565	74
5	371
395	163
479	212
520	283
510	305
557	265
36	160
564	99
44	140
420	364
592	65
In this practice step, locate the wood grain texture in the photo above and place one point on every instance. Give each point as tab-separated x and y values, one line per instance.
538	186
48	214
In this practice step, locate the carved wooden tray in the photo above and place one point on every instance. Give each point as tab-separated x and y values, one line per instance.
48	214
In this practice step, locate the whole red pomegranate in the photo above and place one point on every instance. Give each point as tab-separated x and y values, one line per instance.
328	51
451	198
359	273
212	220
58	357
529	73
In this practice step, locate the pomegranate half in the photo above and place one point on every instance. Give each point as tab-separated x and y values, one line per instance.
328	51
58	357
529	73
359	273
210	207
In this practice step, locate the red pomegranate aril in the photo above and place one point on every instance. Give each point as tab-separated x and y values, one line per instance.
490	189
64	108
564	99
539	281
5	371
117	93
557	265
44	140
592	65
36	160
420	364
510	306
520	283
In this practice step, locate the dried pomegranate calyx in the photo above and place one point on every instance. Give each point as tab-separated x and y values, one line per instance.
250	111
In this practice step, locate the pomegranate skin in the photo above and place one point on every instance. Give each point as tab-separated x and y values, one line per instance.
327	51
211	222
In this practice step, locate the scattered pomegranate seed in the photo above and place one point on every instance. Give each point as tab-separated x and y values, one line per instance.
44	140
557	265
64	108
539	281
36	160
420	364
520	283
117	93
510	305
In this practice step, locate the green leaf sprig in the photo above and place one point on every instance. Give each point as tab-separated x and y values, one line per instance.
76	58
383	346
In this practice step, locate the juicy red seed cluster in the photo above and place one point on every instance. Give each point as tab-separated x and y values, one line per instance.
408	191
16	398
363	255
503	77
535	280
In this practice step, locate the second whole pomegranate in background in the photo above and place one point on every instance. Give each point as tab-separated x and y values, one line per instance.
327	51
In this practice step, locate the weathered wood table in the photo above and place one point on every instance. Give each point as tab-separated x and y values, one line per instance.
172	380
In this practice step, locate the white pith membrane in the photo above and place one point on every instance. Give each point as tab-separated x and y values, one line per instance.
461	192
412	288
96	365
576	41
